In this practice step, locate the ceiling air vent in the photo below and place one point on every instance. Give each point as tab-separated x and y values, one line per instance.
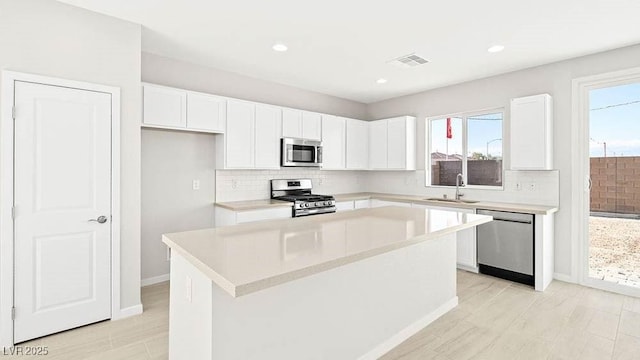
408	61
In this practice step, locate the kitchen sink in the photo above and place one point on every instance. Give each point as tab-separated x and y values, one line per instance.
452	200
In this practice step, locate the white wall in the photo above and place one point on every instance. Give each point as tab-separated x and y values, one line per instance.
171	160
53	39
496	91
165	71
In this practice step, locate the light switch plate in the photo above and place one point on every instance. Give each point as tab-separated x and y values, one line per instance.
196	184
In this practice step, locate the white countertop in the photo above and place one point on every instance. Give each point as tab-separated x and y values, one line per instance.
420	199
253	204
249	257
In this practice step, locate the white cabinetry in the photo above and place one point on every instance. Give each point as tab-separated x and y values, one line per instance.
206	112
252	136
226	217
466	239
301	124
392	144
267	136
379	203
164	106
531	135
333	141
357	144
344	205
170	108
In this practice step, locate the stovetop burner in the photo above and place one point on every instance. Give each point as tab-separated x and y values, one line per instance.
298	191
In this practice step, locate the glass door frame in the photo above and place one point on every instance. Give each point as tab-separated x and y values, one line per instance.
580	179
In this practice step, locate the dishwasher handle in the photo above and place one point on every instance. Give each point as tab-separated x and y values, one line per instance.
513	221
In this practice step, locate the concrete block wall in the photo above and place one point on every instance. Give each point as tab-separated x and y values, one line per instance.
615	184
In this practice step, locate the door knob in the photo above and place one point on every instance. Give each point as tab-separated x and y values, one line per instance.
101	219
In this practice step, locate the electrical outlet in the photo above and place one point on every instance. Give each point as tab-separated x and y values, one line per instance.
319	181
518	186
234	184
532	186
188	288
196	184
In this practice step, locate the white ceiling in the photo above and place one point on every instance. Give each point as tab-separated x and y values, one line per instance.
340	47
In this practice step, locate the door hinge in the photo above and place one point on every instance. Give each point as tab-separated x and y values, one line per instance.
13	313
13	212
13	112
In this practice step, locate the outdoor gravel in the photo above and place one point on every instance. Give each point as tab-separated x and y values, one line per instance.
614	252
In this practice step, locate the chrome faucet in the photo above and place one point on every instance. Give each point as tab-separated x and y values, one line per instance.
459	182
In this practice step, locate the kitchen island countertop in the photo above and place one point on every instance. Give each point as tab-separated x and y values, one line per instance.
249	257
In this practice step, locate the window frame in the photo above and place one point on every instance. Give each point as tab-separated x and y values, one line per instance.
465	145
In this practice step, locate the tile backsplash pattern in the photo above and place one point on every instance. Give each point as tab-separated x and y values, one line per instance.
536	187
239	185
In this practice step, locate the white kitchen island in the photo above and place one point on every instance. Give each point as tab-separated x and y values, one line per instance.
337	286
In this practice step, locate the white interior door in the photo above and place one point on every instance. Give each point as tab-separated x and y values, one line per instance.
62	181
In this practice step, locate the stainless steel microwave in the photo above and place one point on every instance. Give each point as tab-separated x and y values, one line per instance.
300	152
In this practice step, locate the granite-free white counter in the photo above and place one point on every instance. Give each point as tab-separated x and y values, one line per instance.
249	257
420	199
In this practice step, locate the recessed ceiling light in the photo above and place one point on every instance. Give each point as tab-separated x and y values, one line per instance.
495	48
381	81
280	47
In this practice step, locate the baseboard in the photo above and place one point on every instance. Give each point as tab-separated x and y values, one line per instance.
127	312
154	280
409	331
564	277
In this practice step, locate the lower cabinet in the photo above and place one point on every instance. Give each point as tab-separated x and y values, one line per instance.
226	217
379	203
467	258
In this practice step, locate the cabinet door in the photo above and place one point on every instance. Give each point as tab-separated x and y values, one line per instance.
396	143
357	144
291	123
164	106
267	134
311	125
530	137
344	205
466	256
362	204
206	112
239	137
333	141
378	144
379	203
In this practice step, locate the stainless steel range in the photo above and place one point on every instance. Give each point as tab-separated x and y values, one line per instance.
298	191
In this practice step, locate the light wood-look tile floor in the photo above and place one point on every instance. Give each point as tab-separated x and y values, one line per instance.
496	319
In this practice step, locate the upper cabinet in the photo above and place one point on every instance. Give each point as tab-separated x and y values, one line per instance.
252	137
170	108
206	112
301	124
333	142
357	144
165	107
531	135
392	144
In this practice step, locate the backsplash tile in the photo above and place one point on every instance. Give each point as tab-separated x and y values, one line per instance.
238	185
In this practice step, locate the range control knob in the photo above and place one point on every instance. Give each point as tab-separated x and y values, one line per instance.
305	204
327	203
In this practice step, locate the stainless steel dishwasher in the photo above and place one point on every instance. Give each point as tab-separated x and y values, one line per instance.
505	246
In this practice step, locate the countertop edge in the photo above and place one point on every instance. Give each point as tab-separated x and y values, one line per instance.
248	288
230	206
528	208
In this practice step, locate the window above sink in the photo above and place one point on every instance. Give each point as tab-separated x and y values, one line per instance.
469	143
